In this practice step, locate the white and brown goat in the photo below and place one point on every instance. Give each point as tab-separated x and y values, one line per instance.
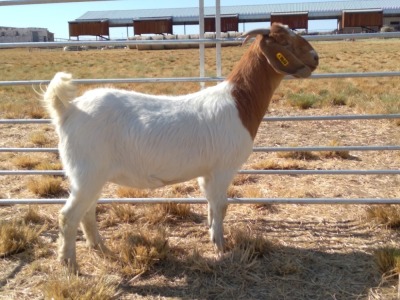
146	141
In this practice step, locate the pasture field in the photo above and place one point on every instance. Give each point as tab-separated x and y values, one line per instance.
163	251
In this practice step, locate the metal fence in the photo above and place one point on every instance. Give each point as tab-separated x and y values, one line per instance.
255	149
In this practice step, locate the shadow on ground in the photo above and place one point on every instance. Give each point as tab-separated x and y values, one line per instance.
282	272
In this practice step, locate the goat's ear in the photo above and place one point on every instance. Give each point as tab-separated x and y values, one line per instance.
284	61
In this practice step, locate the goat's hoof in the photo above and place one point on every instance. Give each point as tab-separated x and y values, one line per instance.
221	256
218	242
219	247
70	266
104	250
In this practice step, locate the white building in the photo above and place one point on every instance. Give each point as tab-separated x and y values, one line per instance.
20	35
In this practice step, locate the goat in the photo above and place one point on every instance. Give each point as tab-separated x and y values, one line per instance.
146	141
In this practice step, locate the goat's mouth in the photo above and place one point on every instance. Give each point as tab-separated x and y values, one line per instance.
312	67
305	71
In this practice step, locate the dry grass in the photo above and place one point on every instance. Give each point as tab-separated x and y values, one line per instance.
40	139
46	186
242	241
126	192
241	179
335	154
308	155
234	192
68	286
273	251
140	252
34	162
181	190
16	237
167	212
46	165
388	260
291	163
26	162
299	155
34	216
388	215
119	213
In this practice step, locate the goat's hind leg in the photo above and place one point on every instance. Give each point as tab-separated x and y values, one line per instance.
90	230
81	200
89	227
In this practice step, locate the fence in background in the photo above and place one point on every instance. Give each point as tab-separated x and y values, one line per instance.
256	149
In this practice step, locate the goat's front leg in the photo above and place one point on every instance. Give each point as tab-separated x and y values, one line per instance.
90	230
214	187
216	213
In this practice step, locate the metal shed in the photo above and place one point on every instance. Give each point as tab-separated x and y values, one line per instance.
295	20
96	28
361	20
255	13
228	23
152	26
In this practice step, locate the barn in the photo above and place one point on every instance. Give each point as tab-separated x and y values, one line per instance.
95	28
152	25
351	16
295	20
364	20
228	23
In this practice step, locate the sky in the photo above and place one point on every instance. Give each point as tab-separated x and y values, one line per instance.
55	16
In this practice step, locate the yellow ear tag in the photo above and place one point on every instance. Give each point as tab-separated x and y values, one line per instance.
282	59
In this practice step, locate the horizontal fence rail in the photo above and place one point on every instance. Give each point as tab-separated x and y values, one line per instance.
327	148
116	81
32	150
319	172
255	149
368	201
331	118
246	172
328	37
265	119
192	79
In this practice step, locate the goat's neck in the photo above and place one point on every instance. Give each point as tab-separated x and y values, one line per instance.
254	82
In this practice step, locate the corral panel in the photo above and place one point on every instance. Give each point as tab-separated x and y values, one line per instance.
294	21
89	28
152	26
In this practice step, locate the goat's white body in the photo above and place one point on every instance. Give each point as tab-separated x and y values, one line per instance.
144	141
147	141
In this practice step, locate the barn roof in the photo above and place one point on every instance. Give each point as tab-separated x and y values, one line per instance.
246	13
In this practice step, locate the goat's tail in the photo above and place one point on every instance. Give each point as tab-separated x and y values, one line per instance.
59	94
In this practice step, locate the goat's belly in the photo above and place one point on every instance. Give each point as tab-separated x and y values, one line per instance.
155	180
174	162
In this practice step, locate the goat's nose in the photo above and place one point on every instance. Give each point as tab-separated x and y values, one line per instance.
316	58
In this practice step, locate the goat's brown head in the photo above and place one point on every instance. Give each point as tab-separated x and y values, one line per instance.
287	52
